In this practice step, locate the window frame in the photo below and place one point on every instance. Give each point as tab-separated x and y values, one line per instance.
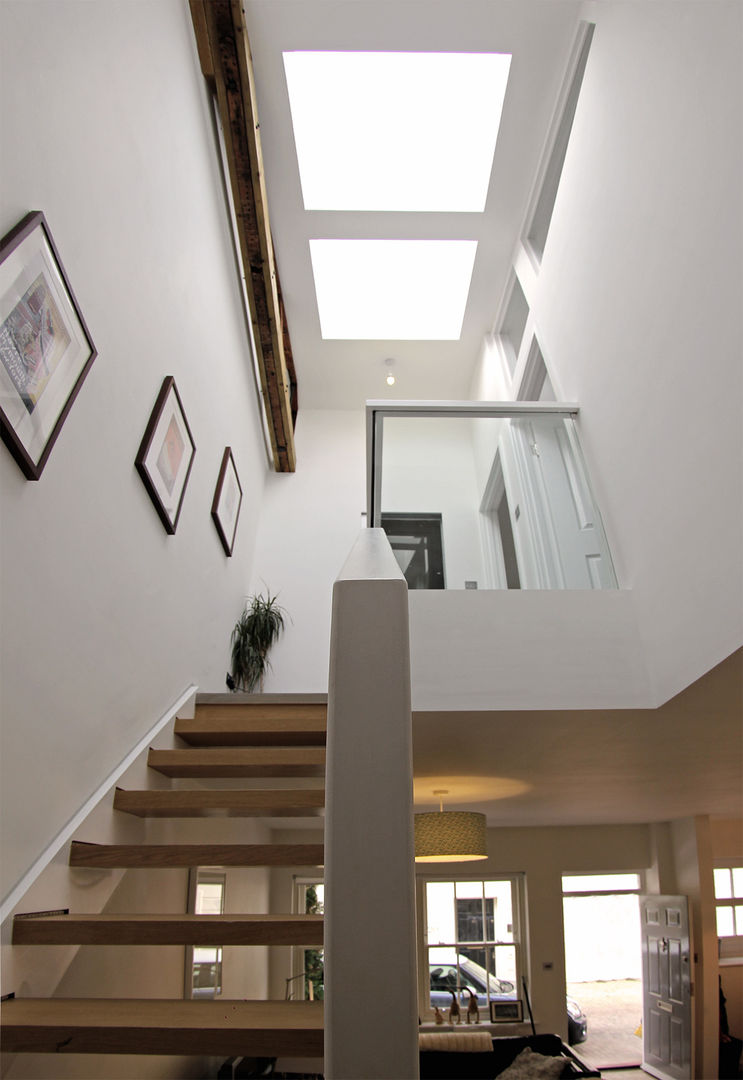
296	984
731	944
517	882
203	876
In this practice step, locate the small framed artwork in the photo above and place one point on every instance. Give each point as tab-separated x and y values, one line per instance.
506	1012
166	455
228	498
45	348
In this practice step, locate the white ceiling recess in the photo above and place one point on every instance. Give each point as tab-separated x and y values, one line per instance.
344	373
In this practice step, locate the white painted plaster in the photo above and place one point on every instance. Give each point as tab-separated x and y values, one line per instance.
309	523
105	617
369	884
637	309
429	467
535	649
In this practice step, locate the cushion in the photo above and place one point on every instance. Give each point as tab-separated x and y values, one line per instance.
459	1041
531	1066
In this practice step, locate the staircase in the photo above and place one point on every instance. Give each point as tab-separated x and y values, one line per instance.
244	738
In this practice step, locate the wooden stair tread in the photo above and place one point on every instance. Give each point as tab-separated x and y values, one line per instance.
158	1026
240	761
167	929
188	855
293	802
255	724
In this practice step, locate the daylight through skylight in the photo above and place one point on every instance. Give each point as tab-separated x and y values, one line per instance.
396	131
392	289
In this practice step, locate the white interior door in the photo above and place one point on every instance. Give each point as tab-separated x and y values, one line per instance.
666	976
574	550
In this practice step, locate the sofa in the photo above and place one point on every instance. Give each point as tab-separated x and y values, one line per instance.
531	1050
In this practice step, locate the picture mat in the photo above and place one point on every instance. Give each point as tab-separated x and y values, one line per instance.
171	426
31	260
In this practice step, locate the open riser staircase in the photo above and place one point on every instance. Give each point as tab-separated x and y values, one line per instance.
243	739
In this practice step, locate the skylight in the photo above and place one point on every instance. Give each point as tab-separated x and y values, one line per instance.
396	131
392	289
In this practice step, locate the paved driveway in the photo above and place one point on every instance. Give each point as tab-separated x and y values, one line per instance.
614	1011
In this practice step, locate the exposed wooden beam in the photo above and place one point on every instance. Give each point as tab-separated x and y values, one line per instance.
224	53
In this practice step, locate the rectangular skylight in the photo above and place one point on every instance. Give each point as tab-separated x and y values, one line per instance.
392	289
396	131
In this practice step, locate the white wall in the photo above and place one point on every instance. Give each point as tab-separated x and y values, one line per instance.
309	523
637	309
106	619
543	855
429	467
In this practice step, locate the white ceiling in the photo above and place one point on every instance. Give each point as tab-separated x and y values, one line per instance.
538	34
591	767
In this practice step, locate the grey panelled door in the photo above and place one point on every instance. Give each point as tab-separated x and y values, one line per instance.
666	974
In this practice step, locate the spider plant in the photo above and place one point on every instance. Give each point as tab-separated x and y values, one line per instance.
256	630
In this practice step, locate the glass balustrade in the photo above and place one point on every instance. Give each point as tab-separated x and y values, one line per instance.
486	496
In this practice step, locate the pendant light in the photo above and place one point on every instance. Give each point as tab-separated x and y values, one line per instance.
450	835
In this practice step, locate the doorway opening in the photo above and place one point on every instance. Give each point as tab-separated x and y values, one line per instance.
603	965
417	545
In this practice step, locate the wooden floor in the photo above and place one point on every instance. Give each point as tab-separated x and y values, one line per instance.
123	1026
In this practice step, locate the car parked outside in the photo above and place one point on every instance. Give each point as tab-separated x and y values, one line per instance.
463	974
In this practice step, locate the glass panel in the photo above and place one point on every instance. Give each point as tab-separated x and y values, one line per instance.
209	898
725	925
447	483
470	926
723	884
588	883
739	919
440	908
738	881
502	927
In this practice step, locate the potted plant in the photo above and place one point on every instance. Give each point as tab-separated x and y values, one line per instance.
256	630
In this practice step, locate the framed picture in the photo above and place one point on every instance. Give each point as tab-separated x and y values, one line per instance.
506	1012
45	348
227	501
166	455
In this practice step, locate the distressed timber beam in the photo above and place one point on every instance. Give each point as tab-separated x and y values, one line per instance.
224	55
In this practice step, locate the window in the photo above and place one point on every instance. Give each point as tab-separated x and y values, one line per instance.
542	215
204	964
472	942
307	979
513	324
729	901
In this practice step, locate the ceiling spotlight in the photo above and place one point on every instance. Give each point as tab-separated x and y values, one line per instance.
390	379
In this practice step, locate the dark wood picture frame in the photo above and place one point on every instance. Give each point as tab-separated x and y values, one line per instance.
165	456
228	497
507	1012
46	350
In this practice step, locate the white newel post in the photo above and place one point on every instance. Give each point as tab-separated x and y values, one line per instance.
371	1012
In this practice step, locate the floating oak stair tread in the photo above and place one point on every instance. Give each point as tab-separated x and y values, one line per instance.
188	855
109	929
255	725
240	761
302	802
151	1026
